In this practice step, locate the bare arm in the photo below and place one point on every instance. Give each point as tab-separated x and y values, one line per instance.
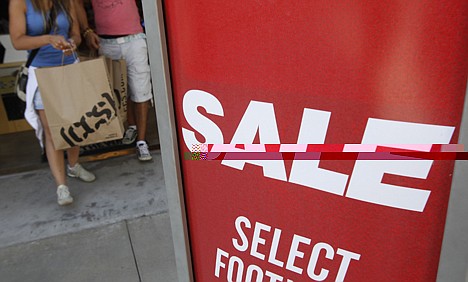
75	29
19	39
81	14
91	38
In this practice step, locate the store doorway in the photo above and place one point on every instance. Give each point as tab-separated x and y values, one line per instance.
19	149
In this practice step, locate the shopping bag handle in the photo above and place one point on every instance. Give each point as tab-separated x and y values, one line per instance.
75	55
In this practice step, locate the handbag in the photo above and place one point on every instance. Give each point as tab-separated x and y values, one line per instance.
22	76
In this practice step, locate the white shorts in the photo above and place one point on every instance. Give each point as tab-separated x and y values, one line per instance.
134	51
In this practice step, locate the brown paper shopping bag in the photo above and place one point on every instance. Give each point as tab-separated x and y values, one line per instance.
79	104
119	76
118	72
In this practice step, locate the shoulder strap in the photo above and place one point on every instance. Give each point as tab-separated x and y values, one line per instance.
31	57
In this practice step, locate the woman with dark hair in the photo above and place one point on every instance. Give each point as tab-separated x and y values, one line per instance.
51	26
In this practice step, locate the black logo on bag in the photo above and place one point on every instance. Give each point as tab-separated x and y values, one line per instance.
88	123
121	94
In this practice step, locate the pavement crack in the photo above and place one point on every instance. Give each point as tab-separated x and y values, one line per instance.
133	251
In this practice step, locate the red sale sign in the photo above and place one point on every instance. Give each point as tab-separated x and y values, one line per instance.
382	73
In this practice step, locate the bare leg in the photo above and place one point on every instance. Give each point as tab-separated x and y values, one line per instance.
73	154
141	113
55	157
131	113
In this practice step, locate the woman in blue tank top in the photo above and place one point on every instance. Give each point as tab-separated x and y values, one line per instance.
29	22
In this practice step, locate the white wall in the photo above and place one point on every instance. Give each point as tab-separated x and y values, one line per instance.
12	55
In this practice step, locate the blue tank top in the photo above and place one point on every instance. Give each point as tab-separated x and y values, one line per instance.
47	56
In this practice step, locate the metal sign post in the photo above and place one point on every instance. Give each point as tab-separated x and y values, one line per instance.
162	91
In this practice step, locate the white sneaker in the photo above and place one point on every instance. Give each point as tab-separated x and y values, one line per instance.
129	136
63	195
143	152
80	172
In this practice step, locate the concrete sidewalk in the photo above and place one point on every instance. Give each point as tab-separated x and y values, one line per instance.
131	250
116	230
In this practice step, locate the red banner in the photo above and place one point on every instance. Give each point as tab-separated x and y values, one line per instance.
317	72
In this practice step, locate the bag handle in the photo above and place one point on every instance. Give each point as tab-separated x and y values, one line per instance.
75	55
